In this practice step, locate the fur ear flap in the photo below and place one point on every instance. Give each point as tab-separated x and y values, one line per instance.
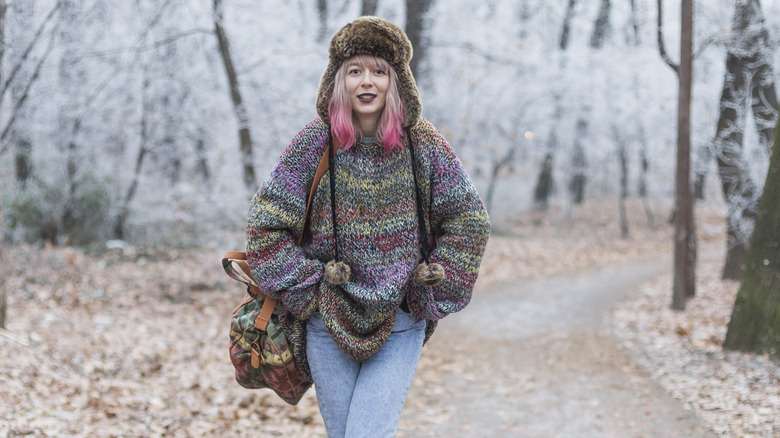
337	273
429	275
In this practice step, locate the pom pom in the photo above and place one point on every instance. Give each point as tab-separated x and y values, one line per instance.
337	272
429	275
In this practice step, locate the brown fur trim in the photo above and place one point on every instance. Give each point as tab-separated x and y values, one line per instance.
429	275
337	273
378	37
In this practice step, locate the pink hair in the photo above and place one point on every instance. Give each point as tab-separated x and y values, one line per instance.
389	132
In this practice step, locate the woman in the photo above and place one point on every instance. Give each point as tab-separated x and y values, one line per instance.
401	250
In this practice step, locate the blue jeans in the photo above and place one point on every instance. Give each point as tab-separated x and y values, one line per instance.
364	399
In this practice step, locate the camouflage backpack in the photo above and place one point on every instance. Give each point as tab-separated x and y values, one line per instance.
259	350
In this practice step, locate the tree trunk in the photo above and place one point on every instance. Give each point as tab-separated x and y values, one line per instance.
545	183
417	24
322	14
499	168
202	163
623	158
239	108
644	171
69	75
748	72
578	165
684	253
764	99
20	137
566	28
120	221
369	7
3	302
701	168
755	319
634	24
601	28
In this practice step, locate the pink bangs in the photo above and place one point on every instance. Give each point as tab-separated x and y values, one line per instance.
389	132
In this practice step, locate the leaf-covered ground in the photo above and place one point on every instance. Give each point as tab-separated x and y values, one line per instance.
133	342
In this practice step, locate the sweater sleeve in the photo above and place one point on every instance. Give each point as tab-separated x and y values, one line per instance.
459	226
275	219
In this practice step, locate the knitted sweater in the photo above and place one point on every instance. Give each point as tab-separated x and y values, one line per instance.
378	237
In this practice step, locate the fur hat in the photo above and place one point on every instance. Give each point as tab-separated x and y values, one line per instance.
372	36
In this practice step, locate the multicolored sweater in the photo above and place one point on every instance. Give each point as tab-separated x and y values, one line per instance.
378	237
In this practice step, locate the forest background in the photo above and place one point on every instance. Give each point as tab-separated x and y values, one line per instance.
120	122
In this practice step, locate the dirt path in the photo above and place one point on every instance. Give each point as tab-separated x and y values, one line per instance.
535	359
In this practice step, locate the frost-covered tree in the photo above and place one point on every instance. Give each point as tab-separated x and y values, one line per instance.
749	79
239	108
601	27
418	30
3	305
755	319
579	164
20	137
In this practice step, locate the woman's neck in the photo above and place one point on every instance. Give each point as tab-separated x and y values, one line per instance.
367	126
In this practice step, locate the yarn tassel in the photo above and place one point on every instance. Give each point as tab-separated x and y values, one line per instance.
337	273
429	275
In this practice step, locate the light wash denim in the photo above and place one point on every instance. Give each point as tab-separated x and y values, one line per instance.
364	399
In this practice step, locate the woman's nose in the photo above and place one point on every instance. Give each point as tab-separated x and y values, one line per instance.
367	80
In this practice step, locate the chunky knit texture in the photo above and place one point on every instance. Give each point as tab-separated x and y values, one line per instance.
378	237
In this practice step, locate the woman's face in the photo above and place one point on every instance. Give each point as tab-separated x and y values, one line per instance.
367	87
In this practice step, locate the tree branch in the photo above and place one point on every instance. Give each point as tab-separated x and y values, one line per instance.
660	35
25	95
28	50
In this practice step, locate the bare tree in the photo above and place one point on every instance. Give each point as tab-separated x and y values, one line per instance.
601	27
417	29
623	160
566	27
748	75
242	116
579	165
202	163
644	171
121	218
684	254
499	167
20	137
70	76
754	324
634	37
545	182
21	86
3	301
322	14
369	7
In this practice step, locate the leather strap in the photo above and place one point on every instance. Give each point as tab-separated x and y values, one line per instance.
322	167
231	259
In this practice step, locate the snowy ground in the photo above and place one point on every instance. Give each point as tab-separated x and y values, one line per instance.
134	343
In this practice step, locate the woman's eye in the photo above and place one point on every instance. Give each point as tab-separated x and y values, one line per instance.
354	71
380	72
